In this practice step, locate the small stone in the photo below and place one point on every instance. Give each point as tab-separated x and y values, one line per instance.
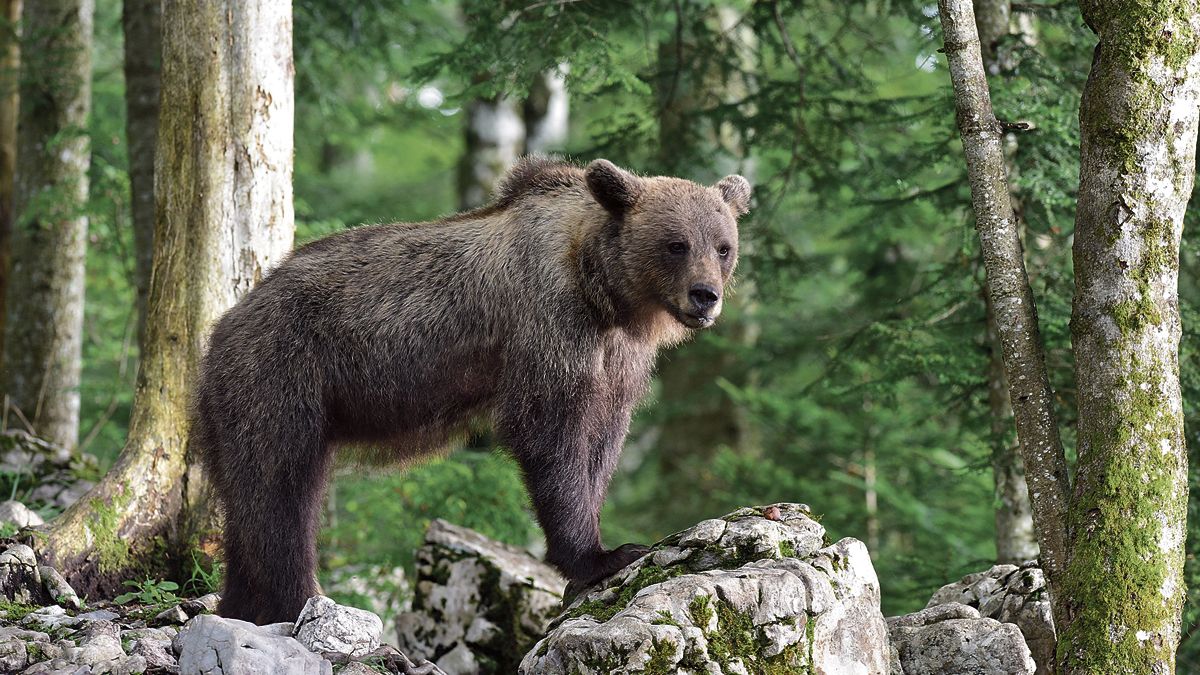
771	513
933	614
157	655
703	533
20	580
205	604
58	589
325	626
18	514
170	616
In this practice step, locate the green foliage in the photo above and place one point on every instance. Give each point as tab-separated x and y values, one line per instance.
865	382
204	576
380	517
148	592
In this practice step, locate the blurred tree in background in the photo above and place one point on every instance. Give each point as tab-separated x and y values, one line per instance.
853	370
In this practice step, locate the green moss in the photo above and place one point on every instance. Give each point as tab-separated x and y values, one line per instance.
647	575
664	618
1118	570
111	549
662	658
700	610
787	549
15	611
734	637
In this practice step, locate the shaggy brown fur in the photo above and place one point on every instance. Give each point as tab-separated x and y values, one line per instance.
541	312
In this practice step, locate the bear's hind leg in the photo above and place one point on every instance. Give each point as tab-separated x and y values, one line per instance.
272	492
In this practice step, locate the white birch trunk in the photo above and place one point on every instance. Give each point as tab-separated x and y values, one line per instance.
43	340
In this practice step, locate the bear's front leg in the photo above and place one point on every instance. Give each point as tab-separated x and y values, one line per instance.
554	449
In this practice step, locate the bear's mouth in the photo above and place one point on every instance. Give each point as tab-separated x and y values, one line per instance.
693	321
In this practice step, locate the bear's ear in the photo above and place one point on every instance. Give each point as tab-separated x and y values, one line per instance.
735	190
617	190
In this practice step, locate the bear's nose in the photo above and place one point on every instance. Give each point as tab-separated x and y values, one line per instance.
703	297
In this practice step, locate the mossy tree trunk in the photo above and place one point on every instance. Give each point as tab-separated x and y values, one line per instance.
43	339
223	218
1008	288
1015	539
1123	586
10	64
142	21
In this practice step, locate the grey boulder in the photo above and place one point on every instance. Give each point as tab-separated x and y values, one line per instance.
755	591
325	626
952	639
1010	594
478	604
211	645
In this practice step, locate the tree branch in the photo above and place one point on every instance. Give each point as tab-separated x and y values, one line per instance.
1008	285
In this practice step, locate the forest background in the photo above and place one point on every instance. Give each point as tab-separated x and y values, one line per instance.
853	371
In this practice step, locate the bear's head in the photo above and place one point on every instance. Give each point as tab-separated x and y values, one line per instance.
677	240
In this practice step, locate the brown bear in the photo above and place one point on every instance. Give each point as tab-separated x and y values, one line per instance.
540	313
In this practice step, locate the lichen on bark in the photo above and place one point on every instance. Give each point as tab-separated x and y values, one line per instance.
1123	587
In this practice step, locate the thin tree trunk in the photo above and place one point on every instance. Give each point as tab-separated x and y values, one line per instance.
1015	539
224	217
547	112
44	330
10	64
495	135
1123	586
1008	286
142	20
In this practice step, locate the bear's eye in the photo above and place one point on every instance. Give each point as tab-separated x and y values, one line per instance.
677	247
723	250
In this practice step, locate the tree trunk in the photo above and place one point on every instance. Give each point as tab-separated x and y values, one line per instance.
1123	585
1015	539
547	112
224	217
10	64
495	135
44	330
142	21
1008	286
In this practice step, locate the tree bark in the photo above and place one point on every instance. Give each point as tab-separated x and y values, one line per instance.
224	217
1015	539
1008	286
495	135
547	112
10	64
44	330
142	21
1123	585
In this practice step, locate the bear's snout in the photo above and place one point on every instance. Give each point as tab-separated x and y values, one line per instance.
703	297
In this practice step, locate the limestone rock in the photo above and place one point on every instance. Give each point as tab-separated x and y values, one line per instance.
58	589
211	645
1010	594
752	592
18	514
952	639
325	626
478	605
20	580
